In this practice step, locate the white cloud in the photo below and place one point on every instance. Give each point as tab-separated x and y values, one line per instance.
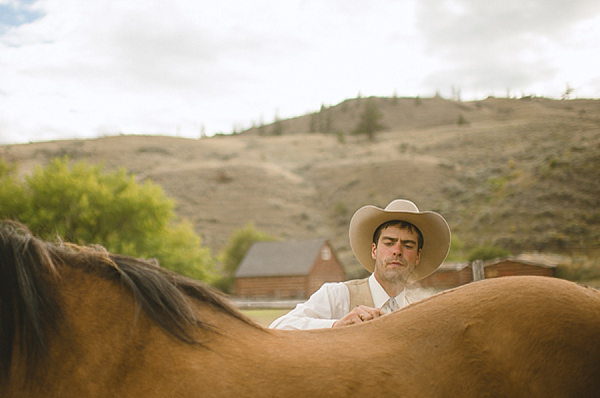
515	44
104	67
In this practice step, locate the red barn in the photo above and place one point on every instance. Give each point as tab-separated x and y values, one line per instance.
286	270
448	276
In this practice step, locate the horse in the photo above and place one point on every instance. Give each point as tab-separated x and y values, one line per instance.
79	321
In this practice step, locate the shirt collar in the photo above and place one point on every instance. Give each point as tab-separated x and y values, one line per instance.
380	296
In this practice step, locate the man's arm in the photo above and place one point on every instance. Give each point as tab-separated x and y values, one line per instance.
327	307
321	310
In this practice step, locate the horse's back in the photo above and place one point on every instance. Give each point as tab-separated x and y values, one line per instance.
536	336
506	337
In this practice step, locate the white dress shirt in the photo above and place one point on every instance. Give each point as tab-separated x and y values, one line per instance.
328	304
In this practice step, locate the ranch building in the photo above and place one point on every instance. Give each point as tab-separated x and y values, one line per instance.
450	275
287	270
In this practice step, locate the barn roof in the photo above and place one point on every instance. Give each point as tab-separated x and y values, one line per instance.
291	258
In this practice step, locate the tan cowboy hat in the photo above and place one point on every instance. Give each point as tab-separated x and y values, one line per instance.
433	227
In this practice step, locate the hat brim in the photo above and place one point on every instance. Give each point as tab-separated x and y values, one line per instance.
433	227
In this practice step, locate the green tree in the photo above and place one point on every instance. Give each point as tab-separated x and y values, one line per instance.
277	128
12	194
487	253
369	122
456	249
85	205
232	255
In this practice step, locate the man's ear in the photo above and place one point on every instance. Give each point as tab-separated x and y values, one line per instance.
373	251
418	259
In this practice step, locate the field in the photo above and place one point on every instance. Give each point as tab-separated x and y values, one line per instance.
264	317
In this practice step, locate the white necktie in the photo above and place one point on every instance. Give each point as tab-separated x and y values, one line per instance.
390	306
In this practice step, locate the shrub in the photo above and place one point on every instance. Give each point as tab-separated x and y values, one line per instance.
456	249
85	205
487	253
462	121
233	254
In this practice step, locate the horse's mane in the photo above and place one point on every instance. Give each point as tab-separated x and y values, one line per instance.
30	308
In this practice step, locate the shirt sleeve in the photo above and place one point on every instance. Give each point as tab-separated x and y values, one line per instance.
328	304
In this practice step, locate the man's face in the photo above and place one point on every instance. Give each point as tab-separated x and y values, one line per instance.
396	254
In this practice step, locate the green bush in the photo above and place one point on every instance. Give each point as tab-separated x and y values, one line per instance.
581	270
12	194
487	253
233	254
462	121
456	249
85	205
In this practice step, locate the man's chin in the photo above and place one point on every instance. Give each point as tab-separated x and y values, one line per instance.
399	274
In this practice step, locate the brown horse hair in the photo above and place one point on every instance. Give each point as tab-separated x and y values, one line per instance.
28	305
30	310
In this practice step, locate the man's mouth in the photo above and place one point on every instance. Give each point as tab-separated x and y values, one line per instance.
396	263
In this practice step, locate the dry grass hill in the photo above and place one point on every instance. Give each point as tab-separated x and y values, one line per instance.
519	173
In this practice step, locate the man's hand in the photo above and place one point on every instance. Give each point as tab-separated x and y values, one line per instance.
358	315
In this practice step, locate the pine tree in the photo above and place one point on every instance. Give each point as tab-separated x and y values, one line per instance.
369	122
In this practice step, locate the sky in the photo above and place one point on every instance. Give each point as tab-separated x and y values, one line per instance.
85	69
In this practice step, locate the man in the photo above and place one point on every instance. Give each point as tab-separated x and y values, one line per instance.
399	245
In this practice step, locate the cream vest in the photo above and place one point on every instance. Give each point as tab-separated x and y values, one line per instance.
360	293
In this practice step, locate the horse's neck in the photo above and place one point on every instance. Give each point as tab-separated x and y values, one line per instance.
98	334
110	348
99	342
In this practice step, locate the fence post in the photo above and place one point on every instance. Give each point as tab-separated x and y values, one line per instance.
477	267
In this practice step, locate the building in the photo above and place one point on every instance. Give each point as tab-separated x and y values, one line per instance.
287	270
450	275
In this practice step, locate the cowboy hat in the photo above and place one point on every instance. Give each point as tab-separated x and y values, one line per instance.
433	227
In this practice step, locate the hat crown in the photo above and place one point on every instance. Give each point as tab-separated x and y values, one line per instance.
402	205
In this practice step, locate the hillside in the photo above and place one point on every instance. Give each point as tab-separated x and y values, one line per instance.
521	173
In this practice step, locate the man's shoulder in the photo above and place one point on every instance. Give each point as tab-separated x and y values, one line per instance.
331	289
332	285
355	282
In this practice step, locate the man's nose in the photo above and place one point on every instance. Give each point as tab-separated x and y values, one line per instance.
397	249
